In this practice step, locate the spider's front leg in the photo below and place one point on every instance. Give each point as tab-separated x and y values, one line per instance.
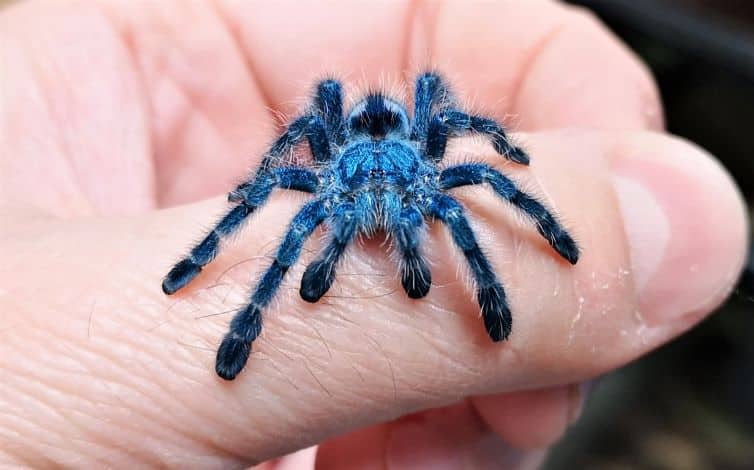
490	294
454	122
416	277
547	224
329	104
320	127
310	127
430	94
247	324
320	274
251	195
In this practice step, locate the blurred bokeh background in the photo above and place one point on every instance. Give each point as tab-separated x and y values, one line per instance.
689	405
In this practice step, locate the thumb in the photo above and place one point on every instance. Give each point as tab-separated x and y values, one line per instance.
113	370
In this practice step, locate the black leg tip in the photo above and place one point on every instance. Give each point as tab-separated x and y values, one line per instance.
418	291
517	155
309	294
316	281
495	312
567	248
181	274
511	152
416	277
417	287
232	356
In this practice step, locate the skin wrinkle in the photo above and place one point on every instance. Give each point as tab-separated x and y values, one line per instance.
409	22
125	86
136	388
536	51
242	51
60	146
64	148
142	387
164	66
127	39
582	21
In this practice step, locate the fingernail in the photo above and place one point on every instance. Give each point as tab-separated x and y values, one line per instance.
684	221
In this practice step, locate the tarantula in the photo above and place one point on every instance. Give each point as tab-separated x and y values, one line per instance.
375	169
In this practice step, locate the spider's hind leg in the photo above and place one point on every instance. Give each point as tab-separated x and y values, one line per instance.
247	324
490	294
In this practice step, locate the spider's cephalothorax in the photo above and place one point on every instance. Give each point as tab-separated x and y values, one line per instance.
375	169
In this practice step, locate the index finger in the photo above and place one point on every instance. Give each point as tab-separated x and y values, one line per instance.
548	64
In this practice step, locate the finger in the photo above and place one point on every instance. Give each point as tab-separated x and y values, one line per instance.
71	122
366	353
124	106
209	117
532	419
482	432
352	40
451	437
547	64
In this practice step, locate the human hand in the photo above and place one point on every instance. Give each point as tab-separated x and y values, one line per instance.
113	111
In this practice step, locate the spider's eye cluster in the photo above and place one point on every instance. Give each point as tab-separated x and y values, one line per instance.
378	116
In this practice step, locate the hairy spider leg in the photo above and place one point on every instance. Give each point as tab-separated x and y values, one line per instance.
309	127
247	324
547	225
430	93
490	294
416	277
318	128
320	274
454	122
328	101
252	196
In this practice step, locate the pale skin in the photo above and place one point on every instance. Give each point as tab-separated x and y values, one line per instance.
121	124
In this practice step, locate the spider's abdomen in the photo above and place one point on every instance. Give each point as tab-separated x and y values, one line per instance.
378	163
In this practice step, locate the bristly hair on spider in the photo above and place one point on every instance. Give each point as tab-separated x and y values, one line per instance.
374	168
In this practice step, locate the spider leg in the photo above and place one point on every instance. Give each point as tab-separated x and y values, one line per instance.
416	277
329	104
320	274
547	224
251	196
308	126
489	291
454	122
430	91
247	324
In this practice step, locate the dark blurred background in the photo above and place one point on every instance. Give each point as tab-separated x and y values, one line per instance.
689	405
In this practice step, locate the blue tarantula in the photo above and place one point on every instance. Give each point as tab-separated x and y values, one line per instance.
376	169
